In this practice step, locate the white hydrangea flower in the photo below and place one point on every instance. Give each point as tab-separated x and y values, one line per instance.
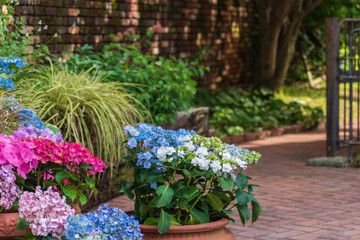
181	154
188	143
202	151
195	161
133	132
216	166
204	164
185	138
241	163
227	168
164	151
226	155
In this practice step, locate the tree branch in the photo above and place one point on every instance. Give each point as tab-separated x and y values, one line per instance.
311	6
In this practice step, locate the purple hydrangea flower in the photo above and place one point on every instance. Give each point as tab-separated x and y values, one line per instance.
9	192
32	132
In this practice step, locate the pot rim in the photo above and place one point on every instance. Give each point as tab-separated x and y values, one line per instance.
10	213
204	227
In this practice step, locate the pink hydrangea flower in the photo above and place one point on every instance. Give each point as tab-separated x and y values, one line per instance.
46	212
67	154
17	153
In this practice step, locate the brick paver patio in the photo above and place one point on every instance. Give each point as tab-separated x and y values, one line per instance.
299	202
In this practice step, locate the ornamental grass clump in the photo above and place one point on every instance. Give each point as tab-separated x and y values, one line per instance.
85	109
181	178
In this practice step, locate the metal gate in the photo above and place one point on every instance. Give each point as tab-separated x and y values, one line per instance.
342	85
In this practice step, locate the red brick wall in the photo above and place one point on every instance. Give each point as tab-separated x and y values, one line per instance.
218	26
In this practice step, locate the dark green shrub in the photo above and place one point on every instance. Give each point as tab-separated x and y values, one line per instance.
163	85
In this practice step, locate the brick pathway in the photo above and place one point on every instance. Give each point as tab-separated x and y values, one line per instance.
299	202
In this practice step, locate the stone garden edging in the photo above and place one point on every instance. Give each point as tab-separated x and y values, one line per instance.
250	136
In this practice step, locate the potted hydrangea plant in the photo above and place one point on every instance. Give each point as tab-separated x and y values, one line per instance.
48	176
185	183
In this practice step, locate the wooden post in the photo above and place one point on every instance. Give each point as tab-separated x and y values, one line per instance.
332	86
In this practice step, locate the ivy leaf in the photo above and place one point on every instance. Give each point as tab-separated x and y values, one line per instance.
165	195
164	222
22	224
215	202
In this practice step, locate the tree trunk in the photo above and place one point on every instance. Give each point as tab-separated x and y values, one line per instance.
271	17
280	22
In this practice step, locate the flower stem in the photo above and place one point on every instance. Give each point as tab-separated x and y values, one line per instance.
173	176
196	201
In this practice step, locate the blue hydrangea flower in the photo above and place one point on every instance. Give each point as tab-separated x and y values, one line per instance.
5	65
26	116
151	139
153	185
132	143
105	224
29	118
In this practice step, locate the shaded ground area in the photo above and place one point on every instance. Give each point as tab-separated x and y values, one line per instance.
299	202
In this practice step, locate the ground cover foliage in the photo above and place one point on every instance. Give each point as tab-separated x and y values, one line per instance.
233	112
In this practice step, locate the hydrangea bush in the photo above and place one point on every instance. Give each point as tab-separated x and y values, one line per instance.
105	224
183	178
45	212
68	166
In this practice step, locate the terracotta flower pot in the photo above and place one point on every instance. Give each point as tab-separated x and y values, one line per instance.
207	231
76	207
8	224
